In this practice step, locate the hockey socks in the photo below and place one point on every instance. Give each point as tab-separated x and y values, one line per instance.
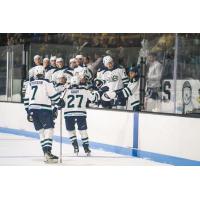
74	141
46	139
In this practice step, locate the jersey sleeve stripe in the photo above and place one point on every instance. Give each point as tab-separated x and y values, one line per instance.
129	90
125	93
135	103
54	96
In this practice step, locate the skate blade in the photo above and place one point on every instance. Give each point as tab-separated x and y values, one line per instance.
88	154
76	153
51	161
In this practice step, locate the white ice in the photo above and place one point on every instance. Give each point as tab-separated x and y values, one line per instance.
24	151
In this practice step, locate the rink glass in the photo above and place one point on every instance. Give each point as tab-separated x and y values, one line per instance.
179	55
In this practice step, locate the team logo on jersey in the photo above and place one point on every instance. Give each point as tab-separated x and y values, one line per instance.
114	78
187	92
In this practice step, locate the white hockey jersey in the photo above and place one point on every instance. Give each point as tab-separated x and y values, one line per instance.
83	72
75	101
49	72
57	72
132	92
115	79
39	95
31	73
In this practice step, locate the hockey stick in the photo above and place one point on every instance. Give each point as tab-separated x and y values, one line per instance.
61	136
61	127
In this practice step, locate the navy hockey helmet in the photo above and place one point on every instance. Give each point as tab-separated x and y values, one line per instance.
133	69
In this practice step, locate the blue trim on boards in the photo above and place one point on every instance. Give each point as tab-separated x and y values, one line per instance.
135	132
65	140
116	149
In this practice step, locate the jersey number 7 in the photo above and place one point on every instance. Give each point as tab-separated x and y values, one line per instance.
34	92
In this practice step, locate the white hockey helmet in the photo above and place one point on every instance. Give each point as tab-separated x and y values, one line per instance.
60	77
74	80
39	70
107	59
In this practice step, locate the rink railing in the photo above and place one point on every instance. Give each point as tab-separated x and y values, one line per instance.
162	138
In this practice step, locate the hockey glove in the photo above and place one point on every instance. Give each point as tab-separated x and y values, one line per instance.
111	94
105	97
29	117
61	104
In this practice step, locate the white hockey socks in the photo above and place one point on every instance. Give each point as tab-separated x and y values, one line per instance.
72	135
73	139
84	137
46	139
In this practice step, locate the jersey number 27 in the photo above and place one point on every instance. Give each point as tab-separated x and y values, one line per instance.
72	98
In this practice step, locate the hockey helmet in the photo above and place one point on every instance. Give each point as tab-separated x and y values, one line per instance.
133	69
107	59
75	81
61	77
39	70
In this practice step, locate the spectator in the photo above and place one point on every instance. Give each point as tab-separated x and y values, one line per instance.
154	76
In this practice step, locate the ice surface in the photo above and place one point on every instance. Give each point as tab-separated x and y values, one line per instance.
23	151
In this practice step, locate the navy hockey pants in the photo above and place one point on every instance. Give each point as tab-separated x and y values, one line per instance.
70	122
42	119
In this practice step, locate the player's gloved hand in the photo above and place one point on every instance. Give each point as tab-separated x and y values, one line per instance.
61	104
55	113
105	97
29	117
96	96
111	94
103	90
98	82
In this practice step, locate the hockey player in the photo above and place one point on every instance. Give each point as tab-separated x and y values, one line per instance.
131	93
69	72
115	78
82	71
79	59
61	80
53	61
38	103
75	100
60	67
49	69
37	61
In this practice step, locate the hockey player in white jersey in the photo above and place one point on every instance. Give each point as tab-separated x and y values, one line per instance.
75	69
37	62
69	71
115	78
38	103
61	82
75	100
48	69
60	67
82	71
131	92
